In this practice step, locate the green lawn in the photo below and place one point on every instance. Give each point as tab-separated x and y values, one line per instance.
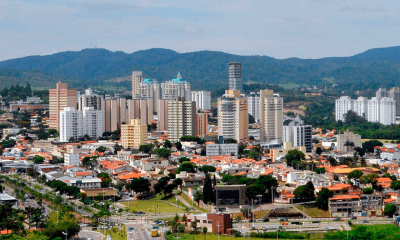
194	204
149	205
313	211
115	233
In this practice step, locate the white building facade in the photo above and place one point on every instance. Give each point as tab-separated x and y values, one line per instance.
71	124
202	99
253	101
93	122
230	149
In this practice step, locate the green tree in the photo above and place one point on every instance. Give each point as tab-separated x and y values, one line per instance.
318	151
184	159
140	185
178	146
38	159
208	191
293	155
395	185
146	148
163	152
368	190
167	144
207	168
161	184
355	174
322	200
368	146
390	209
186	167
254	155
101	149
305	192
198	195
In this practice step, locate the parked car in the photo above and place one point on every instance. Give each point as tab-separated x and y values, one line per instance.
365	221
265	219
353	217
260	220
337	219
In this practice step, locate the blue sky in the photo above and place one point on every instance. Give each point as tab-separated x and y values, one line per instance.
278	28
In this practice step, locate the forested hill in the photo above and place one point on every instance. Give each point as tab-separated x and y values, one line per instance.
204	69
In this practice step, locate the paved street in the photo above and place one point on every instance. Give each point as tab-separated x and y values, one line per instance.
85	234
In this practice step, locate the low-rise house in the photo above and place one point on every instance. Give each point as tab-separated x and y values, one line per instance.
87	183
214	222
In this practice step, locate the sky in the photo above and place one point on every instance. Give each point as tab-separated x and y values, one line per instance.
276	28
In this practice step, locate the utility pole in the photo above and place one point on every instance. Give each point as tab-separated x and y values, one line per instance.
66	234
218	230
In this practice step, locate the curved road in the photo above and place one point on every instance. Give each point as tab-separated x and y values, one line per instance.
90	234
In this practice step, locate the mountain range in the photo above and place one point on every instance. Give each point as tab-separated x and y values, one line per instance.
204	69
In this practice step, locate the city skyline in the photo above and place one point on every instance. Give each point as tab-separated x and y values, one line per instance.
306	29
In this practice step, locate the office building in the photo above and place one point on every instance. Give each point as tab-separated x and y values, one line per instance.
202	99
60	98
93	122
271	116
297	133
71	124
230	195
134	134
235	76
136	79
253	101
149	89
201	124
233	120
348	136
225	149
174	88
181	119
162	115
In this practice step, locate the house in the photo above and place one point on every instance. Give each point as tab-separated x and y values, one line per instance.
344	205
87	183
214	222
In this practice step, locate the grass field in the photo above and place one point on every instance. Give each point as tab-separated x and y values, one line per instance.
313	211
149	205
381	140
184	196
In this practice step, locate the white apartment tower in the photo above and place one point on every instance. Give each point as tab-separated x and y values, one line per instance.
174	88
93	122
71	157
233	120
254	105
395	94
89	99
181	119
343	105
149	89
202	99
271	116
298	134
71	124
136	79
235	76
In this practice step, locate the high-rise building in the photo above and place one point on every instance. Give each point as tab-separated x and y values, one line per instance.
202	99
115	114
377	109
253	101
233	120
71	124
235	76
60	98
298	134
201	124
89	99
149	89
134	134
381	93
162	114
271	116
347	136
136	79
181	119
177	87
395	94
93	122
140	109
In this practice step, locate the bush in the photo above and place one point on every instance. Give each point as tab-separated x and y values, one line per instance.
168	232
238	234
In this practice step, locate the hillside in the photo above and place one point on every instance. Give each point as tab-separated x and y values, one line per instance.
204	69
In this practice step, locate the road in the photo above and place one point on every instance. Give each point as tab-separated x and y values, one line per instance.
139	231
85	234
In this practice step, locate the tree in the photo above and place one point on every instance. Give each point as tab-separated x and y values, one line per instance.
368	190
167	144
390	209
146	148
207	168
162	183
254	155
168	189
140	185
198	195
320	170
205	230
183	159
369	178
322	200
101	149
178	182
360	151
208	191
178	146
318	151
363	163
186	167
163	152
293	155
395	185
332	161
368	146
105	179
355	174
305	191
38	159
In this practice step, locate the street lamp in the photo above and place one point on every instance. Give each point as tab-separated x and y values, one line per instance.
66	234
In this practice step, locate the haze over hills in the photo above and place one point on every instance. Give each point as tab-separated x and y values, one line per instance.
204	69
